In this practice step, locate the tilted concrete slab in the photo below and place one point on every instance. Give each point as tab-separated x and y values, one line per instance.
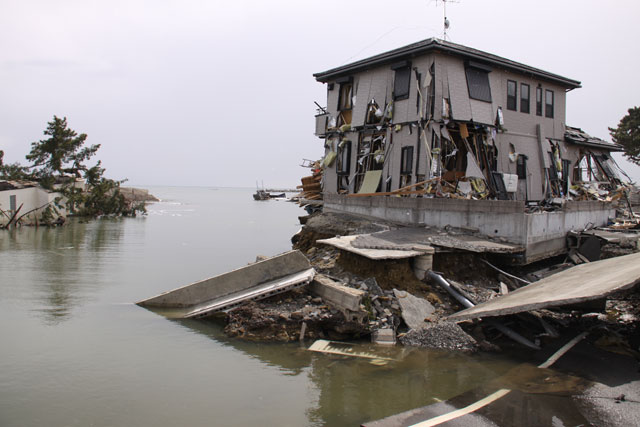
252	282
345	243
578	284
615	236
263	290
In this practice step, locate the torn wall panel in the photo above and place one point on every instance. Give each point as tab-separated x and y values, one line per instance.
423	64
481	112
401	110
363	98
458	92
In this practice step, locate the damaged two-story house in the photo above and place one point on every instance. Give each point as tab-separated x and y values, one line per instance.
436	133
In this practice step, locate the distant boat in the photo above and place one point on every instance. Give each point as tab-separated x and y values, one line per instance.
265	195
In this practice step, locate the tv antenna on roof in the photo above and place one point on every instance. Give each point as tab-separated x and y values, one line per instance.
446	22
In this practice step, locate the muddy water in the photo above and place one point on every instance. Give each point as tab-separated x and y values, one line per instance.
75	351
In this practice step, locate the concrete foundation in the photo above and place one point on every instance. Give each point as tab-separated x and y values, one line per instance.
342	297
543	234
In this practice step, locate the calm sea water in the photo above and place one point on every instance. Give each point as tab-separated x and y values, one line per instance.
76	351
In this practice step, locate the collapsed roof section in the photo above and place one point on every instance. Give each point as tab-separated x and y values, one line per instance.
577	136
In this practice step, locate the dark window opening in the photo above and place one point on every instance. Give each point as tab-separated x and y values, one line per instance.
512	95
478	84
538	101
406	164
432	90
418	97
521	166
401	83
343	166
548	111
524	98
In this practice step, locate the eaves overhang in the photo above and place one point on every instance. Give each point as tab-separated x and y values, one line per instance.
577	136
601	145
437	45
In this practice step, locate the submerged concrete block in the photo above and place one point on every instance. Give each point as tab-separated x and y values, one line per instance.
386	336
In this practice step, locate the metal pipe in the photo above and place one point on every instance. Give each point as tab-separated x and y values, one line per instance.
442	282
504	272
468	304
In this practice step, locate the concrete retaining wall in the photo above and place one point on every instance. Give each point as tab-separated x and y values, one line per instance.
543	234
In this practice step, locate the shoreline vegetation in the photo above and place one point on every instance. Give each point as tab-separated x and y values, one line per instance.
58	183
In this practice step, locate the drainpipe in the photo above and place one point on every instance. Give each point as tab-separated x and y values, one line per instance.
468	304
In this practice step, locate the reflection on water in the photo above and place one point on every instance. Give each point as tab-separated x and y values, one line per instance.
353	390
57	267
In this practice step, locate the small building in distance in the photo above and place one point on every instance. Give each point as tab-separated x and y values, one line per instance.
480	133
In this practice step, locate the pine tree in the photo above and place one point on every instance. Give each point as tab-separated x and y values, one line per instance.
627	134
61	154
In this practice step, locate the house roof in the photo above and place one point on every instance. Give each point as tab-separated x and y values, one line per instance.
579	137
437	45
16	185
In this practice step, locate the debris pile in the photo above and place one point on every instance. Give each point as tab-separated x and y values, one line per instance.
290	317
386	302
442	335
311	187
463	188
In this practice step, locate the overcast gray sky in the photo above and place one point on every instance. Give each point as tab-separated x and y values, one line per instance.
220	93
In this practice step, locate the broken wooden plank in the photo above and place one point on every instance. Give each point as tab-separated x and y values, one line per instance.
344	349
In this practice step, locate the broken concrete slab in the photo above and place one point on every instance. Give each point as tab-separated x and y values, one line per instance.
223	292
615	236
413	238
414	309
342	297
581	283
345	243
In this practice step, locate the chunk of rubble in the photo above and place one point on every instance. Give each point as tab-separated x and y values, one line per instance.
443	335
414	310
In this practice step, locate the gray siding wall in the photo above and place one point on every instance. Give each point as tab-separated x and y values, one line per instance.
520	129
